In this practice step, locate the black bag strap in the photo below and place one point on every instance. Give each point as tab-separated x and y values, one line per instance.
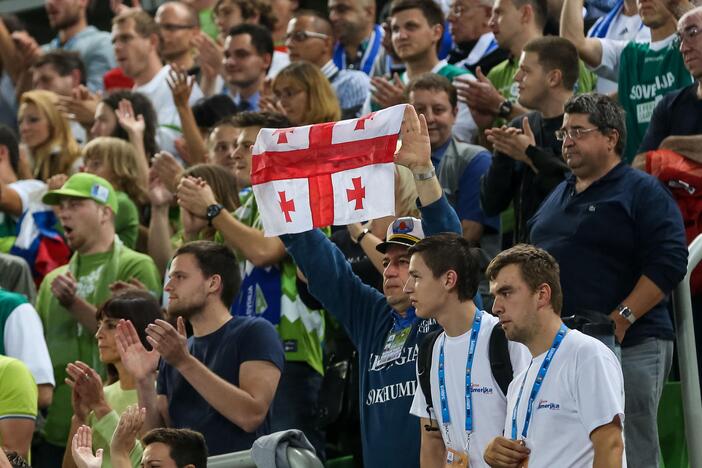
500	361
426	349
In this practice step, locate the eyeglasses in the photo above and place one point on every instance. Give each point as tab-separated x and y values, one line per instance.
687	34
302	36
457	10
174	27
287	93
573	133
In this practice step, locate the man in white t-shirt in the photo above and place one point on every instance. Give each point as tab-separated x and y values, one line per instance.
572	414
443	278
135	37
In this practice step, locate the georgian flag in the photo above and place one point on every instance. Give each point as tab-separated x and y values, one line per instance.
331	173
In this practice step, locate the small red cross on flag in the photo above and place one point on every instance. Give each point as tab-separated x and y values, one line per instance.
332	173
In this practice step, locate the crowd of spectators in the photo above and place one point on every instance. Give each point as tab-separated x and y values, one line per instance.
147	320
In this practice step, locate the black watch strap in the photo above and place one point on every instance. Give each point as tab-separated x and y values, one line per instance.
212	212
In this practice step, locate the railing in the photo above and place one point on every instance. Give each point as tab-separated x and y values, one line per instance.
297	458
687	358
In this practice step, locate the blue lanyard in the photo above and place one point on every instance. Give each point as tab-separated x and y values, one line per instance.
537	384
469	364
369	55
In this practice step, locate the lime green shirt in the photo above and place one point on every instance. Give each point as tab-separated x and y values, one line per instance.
103	429
18	392
300	328
66	339
126	220
207	24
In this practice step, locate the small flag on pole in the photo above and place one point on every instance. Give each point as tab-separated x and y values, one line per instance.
331	173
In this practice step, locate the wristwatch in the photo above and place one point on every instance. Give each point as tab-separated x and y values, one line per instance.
626	312
361	236
212	212
505	109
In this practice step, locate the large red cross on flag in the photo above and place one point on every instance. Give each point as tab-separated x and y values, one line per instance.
331	173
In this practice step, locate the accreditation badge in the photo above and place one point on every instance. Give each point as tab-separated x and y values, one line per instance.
393	345
454	458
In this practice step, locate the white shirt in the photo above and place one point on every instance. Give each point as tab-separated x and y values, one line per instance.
583	390
489	404
159	94
24	340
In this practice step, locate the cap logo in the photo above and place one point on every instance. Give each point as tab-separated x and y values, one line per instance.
402	226
98	192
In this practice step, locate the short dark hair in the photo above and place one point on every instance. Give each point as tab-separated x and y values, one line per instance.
433	82
211	109
536	266
429	8
557	53
603	112
261	38
142	106
540	8
187	447
449	251
216	259
8	139
261	119
63	61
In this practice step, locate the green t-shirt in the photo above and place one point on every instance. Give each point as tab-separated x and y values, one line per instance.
300	328
18	392
8	228
126	220
645	76
65	337
9	301
103	429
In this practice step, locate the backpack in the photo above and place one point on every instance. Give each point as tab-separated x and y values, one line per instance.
498	352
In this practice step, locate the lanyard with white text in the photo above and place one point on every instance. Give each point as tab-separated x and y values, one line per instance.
445	416
537	384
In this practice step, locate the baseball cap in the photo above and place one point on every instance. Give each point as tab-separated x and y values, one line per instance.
405	231
84	185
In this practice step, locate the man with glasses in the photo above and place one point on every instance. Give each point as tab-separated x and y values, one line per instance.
178	24
644	71
475	43
676	123
310	38
248	53
527	164
619	239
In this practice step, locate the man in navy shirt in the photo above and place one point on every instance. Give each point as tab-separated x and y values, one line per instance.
619	239
221	381
383	328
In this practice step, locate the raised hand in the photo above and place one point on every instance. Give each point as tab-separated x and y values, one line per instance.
87	384
195	195
479	93
388	93
159	195
64	288
80	106
82	449
127	431
132	124
512	141
170	343
210	54
166	167
55	182
181	85
415	152
139	362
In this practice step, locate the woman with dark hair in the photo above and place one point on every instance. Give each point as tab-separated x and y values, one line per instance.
129	116
97	406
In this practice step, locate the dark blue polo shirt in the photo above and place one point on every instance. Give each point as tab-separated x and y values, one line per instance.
624	225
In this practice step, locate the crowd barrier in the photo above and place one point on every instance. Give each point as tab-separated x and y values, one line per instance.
297	458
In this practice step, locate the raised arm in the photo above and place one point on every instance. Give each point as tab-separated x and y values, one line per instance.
573	29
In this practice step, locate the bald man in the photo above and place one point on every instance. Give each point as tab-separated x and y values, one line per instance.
178	23
359	39
310	38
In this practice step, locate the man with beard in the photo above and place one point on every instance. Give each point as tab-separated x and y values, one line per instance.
69	18
220	381
68	296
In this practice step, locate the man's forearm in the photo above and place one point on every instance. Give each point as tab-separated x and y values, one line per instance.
643	297
429	190
146	392
573	29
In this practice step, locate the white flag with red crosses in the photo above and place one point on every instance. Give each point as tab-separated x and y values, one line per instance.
331	173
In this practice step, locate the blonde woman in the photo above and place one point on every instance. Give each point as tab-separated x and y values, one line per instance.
304	95
116	161
47	135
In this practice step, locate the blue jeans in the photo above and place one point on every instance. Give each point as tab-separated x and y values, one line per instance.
645	367
295	403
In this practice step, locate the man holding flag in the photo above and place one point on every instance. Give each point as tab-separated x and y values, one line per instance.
384	330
